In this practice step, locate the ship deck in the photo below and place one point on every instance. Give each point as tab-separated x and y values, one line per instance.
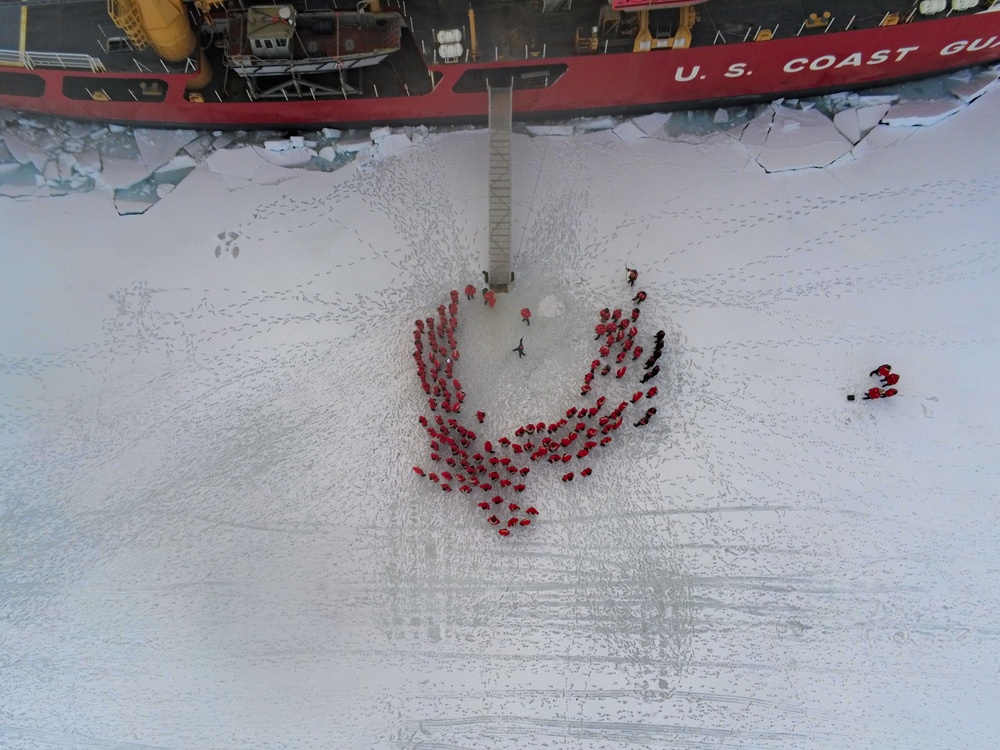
74	33
506	29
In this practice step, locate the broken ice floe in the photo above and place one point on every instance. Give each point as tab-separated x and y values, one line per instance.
798	139
912	114
628	131
855	124
971	89
549	130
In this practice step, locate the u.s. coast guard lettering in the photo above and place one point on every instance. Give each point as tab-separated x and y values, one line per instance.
850	60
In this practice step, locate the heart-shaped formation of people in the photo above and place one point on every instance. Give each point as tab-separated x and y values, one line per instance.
497	467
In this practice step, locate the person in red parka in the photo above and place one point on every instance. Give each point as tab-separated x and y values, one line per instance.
873	393
890	379
881	371
526	315
889	393
470	291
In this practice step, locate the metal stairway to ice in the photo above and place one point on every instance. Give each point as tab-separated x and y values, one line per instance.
499	276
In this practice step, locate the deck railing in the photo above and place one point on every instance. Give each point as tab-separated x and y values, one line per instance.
65	60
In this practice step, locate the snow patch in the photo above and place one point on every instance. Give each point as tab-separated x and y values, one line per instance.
550	307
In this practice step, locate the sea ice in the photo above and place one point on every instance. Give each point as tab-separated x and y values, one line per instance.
916	114
652	124
590	124
120	173
972	88
546	130
291	157
240	163
220	542
801	139
856	123
628	131
354	145
392	144
846	122
35	151
160	146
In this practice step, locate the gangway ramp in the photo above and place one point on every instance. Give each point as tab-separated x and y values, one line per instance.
499	276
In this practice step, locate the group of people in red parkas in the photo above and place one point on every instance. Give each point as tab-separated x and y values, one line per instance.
436	370
888	378
466	465
453	444
619	332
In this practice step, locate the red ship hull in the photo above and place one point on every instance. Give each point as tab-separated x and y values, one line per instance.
591	84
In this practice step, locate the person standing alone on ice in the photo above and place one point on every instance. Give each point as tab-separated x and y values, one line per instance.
519	348
631	275
470	291
526	315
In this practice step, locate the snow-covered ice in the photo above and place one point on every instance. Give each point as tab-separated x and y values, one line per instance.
910	114
212	536
976	85
798	139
